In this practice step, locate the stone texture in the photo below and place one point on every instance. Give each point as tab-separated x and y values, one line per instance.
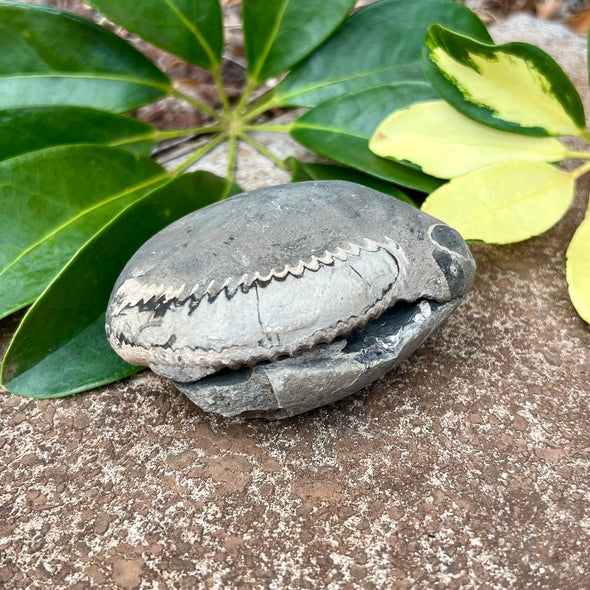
326	373
465	468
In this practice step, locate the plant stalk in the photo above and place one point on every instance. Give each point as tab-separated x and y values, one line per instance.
276	128
264	151
196	156
580	171
575	155
196	103
231	164
221	89
161	135
267	102
250	86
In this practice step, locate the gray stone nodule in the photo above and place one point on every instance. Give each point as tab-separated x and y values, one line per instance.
284	299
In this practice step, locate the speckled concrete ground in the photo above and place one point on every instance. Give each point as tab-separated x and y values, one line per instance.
466	468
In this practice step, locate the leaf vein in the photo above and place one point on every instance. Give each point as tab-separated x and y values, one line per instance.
518	201
355	76
192	28
90	76
79	216
271	39
329	129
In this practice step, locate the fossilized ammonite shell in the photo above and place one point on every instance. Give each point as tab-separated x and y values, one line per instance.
289	271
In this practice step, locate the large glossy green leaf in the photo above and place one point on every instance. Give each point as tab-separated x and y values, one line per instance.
191	29
340	129
304	171
60	347
29	129
51	57
515	87
52	201
504	203
379	44
578	269
446	144
279	33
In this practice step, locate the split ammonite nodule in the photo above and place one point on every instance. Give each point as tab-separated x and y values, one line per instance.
286	298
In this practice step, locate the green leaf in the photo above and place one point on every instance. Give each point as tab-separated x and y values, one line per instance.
51	57
279	33
340	129
444	143
29	129
61	348
52	201
191	29
305	171
504	203
379	44
578	269
515	87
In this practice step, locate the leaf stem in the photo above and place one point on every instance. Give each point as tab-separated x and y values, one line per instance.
161	135
231	164
249	88
196	103
196	156
134	139
575	155
264	151
580	171
276	128
267	102
221	89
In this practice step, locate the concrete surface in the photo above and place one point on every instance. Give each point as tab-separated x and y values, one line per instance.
466	468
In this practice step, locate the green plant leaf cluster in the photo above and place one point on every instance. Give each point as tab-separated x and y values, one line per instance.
78	190
380	44
75	355
492	138
191	30
294	29
41	230
50	57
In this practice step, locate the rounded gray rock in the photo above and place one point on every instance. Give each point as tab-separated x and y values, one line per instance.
275	273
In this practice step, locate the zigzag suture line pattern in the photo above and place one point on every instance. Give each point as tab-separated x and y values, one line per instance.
134	294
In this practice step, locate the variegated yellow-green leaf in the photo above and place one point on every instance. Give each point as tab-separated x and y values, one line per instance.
514	87
578	269
504	203
340	129
446	144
